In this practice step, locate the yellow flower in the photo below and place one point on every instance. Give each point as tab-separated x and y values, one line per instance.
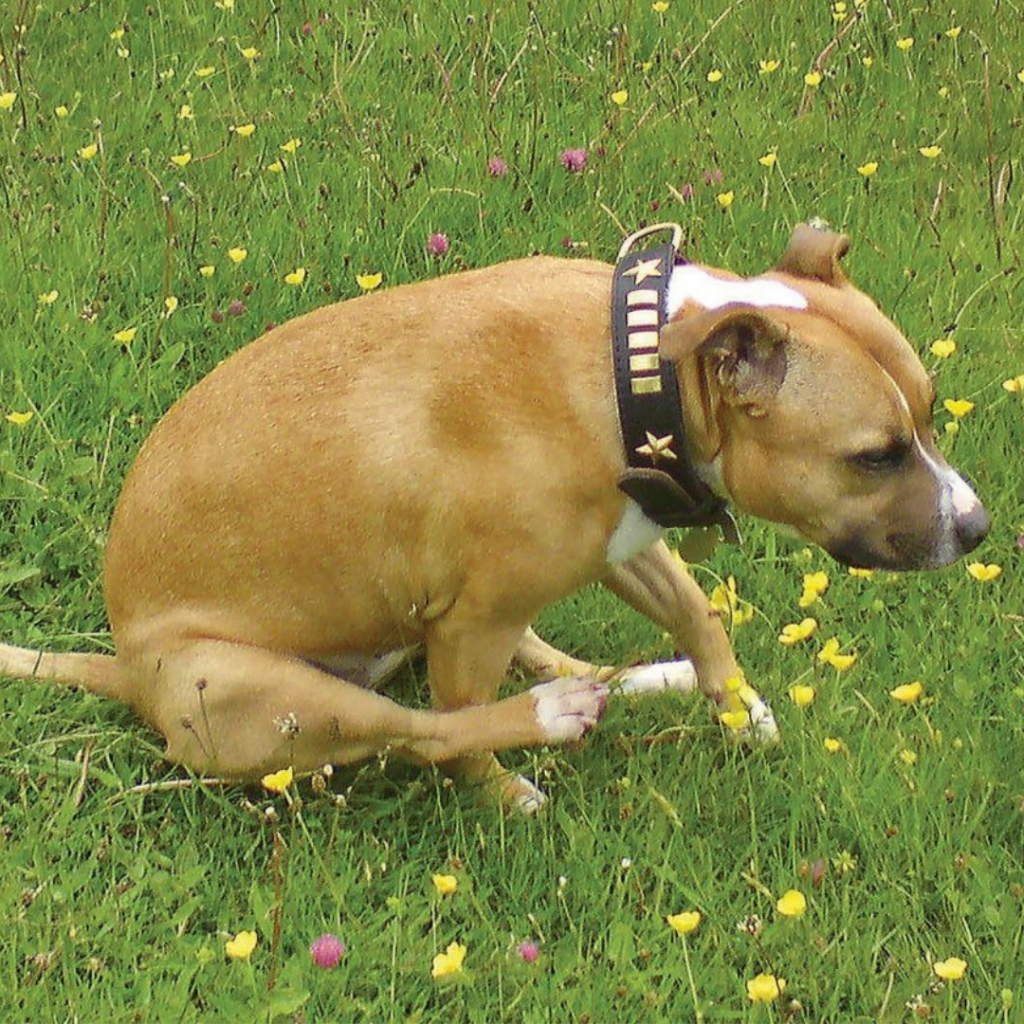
170	304
984	573
908	757
866	170
7	100
768	160
797	631
369	281
124	52
1020	76
182	159
952	427
930	152
445	884
449	962
792	904
48	298
944	91
207	270
801	695
950	970
766	67
714	75
296	277
907	693
276	167
943	348
238	254
1014	384
291	145
735	720
619	97
725	199
205	72
863	573
117	35
88	152
125	336
726	601
684	922
765	987
832	745
815	584
958	406
224	5
19	419
61	111
660	7
241	946
812	79
245	130
905	43
867	61
250	53
278	782
829	655
952	33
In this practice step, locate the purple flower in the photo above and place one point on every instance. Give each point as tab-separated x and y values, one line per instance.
529	951
686	193
714	176
307	28
437	244
217	316
237	308
496	167
326	951
574	160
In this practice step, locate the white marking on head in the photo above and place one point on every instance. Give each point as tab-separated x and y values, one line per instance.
690	283
956	498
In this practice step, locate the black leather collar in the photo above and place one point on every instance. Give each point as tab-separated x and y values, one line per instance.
660	477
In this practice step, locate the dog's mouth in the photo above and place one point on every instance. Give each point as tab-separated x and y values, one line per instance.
899	552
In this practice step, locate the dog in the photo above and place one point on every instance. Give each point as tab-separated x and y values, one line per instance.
428	467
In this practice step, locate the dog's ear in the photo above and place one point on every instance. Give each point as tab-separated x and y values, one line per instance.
815	252
744	349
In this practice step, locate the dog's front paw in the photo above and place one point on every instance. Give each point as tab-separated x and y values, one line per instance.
567	709
749	718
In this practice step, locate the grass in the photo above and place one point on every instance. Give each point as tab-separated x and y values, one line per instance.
117	904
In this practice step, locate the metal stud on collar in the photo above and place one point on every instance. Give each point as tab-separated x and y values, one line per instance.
651	229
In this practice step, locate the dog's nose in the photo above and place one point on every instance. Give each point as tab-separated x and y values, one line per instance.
972	527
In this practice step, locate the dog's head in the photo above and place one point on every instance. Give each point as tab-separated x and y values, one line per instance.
814	412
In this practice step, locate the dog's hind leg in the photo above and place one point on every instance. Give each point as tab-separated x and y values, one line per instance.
467	664
239	712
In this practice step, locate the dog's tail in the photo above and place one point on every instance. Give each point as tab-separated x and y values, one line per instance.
97	673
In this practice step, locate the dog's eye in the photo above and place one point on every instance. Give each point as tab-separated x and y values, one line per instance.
876	459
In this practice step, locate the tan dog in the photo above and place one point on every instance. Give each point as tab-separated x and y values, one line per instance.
433	465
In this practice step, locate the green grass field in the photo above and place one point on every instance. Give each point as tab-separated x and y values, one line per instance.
127	163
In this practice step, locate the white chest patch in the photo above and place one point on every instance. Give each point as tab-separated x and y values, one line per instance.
690	283
635	533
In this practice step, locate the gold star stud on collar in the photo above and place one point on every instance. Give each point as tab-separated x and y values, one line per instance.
657	447
644	269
